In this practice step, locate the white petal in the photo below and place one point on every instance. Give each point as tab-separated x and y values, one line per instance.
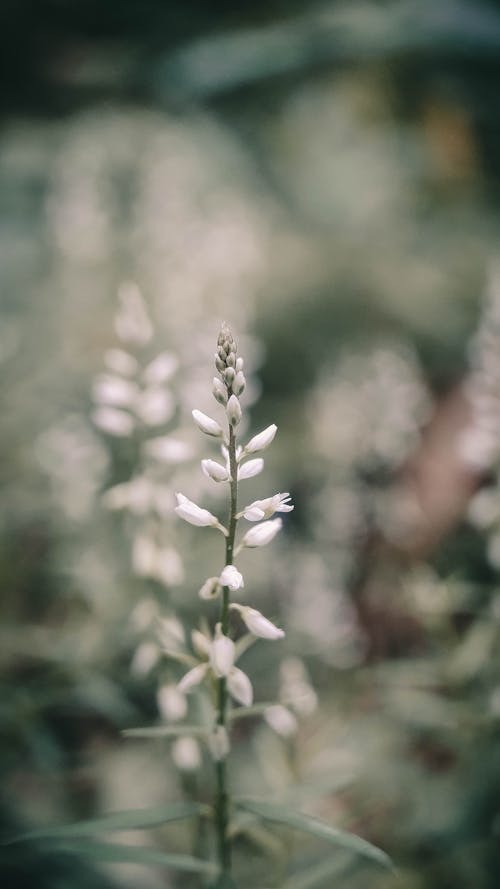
186	754
172	704
233	410
231	578
145	658
214	470
161	368
114	421
210	589
281	720
192	678
257	623
201	643
240	687
262	534
221	653
194	514
206	424
115	391
262	440
168	449
155	406
120	362
250	468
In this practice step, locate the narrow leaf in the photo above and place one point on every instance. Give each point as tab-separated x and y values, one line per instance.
134	819
137	855
316	875
317	828
165	731
247	712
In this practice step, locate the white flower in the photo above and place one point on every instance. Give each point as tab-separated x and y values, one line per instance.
192	678
261	440
114	421
115	391
264	509
214	470
201	643
240	687
155	406
257	623
186	754
194	514
231	578
134	495
218	742
281	720
144	555
161	369
168	449
206	424
168	567
250	468
144	659
233	410
171	632
120	362
221	653
262	534
219	391
172	704
239	383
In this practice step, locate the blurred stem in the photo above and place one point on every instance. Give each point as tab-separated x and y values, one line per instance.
222	799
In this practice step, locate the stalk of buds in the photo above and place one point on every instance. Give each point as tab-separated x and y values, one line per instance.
217	660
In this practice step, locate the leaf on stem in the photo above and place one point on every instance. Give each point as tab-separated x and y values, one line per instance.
166	731
315	827
137	855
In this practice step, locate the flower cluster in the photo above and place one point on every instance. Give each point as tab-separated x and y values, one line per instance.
238	463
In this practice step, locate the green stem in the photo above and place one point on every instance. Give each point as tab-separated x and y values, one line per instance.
222	797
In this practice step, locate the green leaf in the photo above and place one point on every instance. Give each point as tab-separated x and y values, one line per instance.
137	855
246	712
317	874
320	829
165	731
133	819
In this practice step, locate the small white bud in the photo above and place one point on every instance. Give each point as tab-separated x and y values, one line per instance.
262	440
219	391
231	578
206	424
281	720
210	589
121	362
186	754
114	421
231	360
155	406
218	742
115	391
239	364
172	704
144	552
250	468
145	657
240	687
257	623
161	369
194	514
239	383
168	449
221	653
260	535
214	470
233	410
219	363
192	678
229	375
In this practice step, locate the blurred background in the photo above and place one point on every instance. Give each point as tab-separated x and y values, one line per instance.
325	177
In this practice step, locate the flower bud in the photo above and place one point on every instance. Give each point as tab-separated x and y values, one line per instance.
221	653
219	391
281	720
218	742
229	375
194	514
172	704
219	363
240	687
239	383
233	411
231	360
262	534
250	468
206	424
239	364
214	470
262	440
231	578
185	752
201	643
258	624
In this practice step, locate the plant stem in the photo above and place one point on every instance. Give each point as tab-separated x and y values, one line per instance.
222	798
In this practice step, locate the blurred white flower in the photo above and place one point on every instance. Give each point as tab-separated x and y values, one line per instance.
281	720
161	369
144	555
121	362
240	687
210	589
222	653
115	391
218	743
192	678
146	656
114	421
172	704
155	406
132	323
186	754
167	449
